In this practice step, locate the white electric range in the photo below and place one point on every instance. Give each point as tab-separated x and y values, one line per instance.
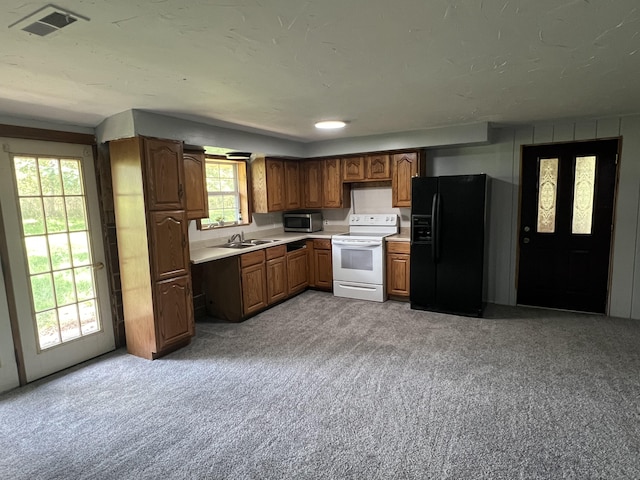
359	257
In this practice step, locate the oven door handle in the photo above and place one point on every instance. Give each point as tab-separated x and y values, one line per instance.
356	243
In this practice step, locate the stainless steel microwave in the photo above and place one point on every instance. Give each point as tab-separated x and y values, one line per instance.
302	222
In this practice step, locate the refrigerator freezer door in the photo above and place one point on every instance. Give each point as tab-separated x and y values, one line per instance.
461	253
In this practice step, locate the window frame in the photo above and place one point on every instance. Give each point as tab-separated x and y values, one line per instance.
241	181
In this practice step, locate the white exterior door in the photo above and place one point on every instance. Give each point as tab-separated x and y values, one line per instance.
56	256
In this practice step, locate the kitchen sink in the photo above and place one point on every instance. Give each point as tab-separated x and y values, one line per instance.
236	245
252	242
256	241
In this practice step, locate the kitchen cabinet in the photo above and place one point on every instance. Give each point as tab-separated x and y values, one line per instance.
335	192
240	286
153	249
254	281
275	184
405	166
292	185
375	167
163	173
297	273
323	186
277	284
353	169
322	264
312	183
168	235
398	269
195	186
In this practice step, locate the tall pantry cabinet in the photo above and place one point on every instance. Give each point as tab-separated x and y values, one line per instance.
153	247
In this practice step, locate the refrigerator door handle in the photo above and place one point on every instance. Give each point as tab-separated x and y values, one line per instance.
434	228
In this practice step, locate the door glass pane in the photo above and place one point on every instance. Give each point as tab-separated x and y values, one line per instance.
547	194
585	176
56	239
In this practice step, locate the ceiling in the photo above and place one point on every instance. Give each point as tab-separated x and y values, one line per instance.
278	66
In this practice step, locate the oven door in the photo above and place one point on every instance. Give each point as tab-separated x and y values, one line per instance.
358	260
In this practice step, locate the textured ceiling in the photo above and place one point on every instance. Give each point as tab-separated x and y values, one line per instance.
277	66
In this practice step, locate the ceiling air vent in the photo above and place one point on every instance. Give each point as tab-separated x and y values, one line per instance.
47	20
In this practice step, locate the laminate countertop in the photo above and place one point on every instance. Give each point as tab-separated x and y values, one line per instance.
209	250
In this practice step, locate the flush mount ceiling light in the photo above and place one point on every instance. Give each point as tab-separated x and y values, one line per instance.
47	20
331	124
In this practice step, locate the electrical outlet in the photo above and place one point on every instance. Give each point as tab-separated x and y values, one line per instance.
326	222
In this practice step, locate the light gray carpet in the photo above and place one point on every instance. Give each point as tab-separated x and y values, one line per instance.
331	388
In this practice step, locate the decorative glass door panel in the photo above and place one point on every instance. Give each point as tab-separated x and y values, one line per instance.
53	209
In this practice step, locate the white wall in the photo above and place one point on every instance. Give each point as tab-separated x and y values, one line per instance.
501	160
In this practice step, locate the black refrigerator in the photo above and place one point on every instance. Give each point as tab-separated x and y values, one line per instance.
448	225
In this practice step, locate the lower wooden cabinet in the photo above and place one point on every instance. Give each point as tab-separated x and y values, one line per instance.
321	265
238	287
398	269
277	284
297	273
254	281
174	319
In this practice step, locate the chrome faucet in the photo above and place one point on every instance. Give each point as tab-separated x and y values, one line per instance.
236	237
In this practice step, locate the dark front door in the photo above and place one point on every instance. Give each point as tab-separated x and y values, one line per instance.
566	223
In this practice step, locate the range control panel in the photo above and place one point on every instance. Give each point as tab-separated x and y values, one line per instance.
373	219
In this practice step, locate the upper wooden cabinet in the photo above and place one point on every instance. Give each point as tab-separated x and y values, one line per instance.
367	168
323	187
275	184
292	185
195	184
164	174
312	183
405	166
353	169
335	193
377	167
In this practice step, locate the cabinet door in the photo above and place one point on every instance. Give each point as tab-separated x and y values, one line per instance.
297	275
194	185
164	174
353	169
398	269
405	167
323	269
377	167
292	182
275	185
169	247
254	288
312	181
332	179
174	312
276	280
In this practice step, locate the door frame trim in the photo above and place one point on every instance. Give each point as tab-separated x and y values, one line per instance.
29	133
619	138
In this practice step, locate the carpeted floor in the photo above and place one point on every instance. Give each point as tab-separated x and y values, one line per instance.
331	388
